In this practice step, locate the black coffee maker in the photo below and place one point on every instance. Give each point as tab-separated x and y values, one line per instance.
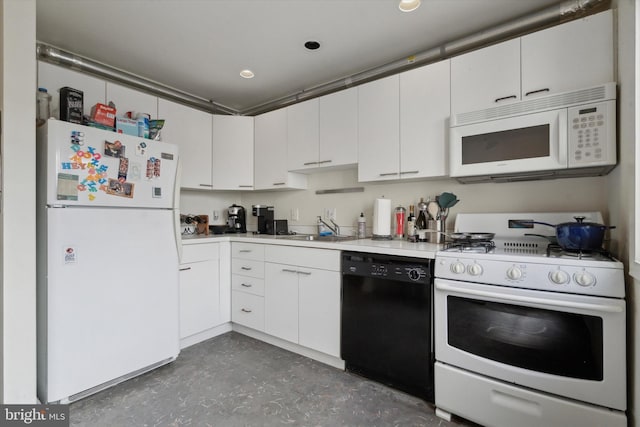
237	219
265	219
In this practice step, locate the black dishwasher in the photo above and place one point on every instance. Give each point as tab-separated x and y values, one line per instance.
387	320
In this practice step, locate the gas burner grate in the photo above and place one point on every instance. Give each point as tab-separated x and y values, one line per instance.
556	250
485	246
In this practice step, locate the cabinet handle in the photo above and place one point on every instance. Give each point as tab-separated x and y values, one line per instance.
205	185
245	268
389	174
245	285
306	273
408	172
244	310
505	98
310	163
245	186
244	250
546	89
279	183
324	161
288	270
185	268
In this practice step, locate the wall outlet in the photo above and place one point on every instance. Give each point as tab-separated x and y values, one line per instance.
330	213
295	214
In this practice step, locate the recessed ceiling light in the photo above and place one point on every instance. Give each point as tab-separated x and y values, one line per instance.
409	5
312	45
247	74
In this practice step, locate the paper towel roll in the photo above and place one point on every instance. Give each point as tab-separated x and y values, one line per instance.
382	218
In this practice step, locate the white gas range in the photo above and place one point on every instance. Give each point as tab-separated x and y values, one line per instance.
525	334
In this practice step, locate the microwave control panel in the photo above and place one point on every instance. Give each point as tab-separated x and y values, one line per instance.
592	134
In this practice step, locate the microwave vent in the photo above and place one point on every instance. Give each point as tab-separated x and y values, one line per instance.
551	102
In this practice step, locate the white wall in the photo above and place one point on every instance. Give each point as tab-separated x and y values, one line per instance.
622	189
535	196
18	201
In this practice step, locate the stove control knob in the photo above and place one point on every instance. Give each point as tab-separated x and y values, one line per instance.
514	273
475	269
584	279
559	277
457	267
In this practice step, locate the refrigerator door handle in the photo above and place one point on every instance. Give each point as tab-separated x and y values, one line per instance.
176	209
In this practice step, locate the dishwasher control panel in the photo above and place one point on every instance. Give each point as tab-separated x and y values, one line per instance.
387	267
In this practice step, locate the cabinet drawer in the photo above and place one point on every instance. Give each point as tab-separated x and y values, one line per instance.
203	252
247	310
247	251
247	284
247	267
325	259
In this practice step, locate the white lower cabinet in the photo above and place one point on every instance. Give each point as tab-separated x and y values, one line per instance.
200	303
302	300
247	284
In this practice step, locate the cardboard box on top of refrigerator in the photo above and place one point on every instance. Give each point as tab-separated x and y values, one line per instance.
127	126
103	114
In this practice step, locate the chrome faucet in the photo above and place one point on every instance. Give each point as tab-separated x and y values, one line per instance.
335	228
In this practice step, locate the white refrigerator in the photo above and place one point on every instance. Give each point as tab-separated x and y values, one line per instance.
108	254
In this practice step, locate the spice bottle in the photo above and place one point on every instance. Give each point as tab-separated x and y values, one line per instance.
362	226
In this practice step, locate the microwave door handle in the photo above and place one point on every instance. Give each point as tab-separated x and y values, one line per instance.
603	308
563	137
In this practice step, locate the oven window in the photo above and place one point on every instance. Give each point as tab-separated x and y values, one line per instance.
513	144
541	340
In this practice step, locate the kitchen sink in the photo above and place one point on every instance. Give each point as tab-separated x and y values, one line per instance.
315	237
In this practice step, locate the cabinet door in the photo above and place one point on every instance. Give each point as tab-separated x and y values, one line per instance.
127	99
571	56
270	149
232	152
339	128
379	130
319	310
486	78
424	121
190	129
248	310
281	301
303	135
53	77
199	297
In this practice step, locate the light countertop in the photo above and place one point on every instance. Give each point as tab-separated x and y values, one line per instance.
389	247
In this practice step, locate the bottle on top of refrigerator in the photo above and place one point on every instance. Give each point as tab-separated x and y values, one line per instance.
43	106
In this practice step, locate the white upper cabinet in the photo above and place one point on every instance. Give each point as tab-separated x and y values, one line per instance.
403	125
379	129
486	78
53	77
339	128
270	152
127	99
232	152
303	135
323	132
424	121
567	57
190	129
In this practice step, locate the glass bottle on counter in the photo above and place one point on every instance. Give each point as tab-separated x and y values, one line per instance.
411	223
421	222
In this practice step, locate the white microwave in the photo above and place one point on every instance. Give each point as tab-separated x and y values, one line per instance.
565	134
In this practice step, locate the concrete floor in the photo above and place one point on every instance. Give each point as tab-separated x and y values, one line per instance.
234	380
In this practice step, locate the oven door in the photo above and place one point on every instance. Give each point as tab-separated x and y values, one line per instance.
528	143
568	345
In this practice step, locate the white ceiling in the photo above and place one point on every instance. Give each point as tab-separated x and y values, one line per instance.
200	46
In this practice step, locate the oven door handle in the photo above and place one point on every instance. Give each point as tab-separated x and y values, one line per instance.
533	300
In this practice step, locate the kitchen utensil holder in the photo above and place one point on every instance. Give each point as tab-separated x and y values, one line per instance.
435	229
